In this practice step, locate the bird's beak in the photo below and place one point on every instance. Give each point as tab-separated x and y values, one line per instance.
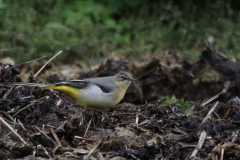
131	79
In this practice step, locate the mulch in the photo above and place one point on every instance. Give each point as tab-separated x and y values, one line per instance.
45	124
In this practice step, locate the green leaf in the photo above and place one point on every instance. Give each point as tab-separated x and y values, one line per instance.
185	108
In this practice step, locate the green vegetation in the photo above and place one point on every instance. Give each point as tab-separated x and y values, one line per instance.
86	29
185	108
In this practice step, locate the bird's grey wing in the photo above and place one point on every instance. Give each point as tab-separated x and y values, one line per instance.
107	84
79	84
100	82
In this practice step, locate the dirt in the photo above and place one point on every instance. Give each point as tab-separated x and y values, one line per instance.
45	124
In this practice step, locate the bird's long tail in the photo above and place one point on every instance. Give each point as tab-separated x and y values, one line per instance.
72	92
44	86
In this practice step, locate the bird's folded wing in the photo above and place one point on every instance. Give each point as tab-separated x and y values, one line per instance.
81	84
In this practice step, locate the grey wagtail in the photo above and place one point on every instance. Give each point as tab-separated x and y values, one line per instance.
98	93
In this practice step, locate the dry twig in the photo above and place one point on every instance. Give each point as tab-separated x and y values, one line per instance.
93	149
43	148
210	112
87	128
45	135
22	125
200	143
29	105
30	61
7	93
2	120
226	85
46	64
170	108
88	139
56	137
222	154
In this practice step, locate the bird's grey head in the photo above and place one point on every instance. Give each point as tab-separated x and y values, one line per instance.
123	76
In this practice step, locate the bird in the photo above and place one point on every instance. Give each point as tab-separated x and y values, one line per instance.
96	93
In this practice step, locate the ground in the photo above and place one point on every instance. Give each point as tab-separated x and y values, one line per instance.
202	122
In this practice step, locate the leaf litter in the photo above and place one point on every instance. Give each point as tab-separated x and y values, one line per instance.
201	120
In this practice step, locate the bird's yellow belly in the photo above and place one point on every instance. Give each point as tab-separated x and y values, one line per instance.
70	91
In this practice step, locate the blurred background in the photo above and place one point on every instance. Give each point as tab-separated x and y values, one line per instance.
93	29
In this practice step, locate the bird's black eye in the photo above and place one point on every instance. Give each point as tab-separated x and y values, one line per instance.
122	76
